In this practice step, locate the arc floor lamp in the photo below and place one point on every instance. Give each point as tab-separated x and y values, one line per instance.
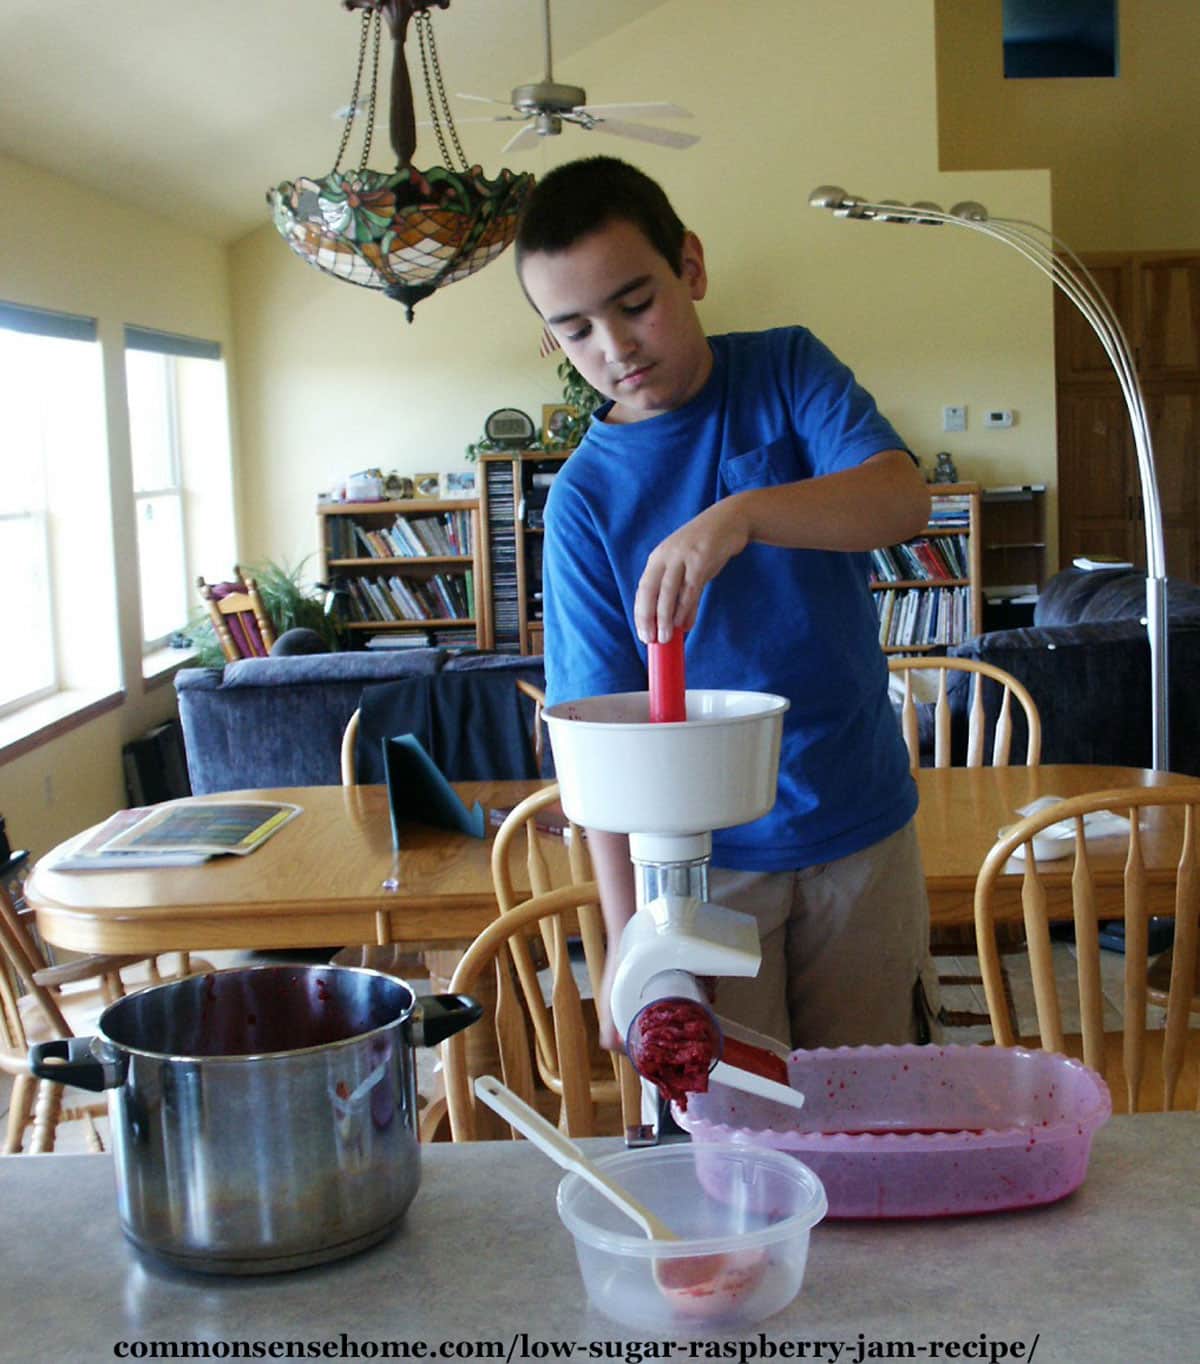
1054	259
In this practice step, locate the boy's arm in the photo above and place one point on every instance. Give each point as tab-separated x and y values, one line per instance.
615	878
879	502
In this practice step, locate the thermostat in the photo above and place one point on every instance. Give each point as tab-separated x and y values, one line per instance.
999	416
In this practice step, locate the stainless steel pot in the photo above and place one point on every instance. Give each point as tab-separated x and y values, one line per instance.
262	1118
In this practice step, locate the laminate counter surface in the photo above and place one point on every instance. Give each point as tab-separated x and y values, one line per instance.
482	1268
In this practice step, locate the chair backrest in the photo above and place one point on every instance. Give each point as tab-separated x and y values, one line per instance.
1002	741
26	977
1149	1067
348	760
498	947
538	734
238	616
538	820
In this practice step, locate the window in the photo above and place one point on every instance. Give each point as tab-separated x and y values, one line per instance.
52	467
179	442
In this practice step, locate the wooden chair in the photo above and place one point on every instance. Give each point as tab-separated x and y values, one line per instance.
552	913
613	1081
39	1001
953	942
349	762
238	616
1145	1068
538	734
1002	740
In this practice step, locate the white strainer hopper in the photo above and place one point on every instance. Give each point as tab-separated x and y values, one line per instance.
619	772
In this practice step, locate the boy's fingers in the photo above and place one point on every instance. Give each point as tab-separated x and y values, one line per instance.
645	604
670	591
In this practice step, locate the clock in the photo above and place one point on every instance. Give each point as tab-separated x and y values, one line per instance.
509	428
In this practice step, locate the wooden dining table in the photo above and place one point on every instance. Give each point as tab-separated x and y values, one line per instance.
332	876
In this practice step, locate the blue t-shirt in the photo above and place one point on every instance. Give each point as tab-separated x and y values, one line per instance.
777	407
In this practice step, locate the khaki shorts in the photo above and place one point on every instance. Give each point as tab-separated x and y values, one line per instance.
845	949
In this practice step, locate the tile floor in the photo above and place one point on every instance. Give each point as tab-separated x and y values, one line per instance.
70	1136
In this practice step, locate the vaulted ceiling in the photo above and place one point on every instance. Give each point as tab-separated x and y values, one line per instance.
192	108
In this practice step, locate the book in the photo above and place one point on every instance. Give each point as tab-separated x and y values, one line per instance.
204	826
88	855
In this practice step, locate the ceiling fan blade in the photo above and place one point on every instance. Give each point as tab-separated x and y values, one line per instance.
643	132
480	99
657	110
526	137
483	118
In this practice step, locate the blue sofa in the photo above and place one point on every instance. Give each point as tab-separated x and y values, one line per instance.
263	722
1086	662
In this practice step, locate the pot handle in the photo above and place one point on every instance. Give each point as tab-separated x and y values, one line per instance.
71	1061
436	1017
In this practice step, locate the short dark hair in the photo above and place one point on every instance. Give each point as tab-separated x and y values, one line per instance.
581	196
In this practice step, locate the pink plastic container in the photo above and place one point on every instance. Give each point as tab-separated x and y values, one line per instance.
923	1131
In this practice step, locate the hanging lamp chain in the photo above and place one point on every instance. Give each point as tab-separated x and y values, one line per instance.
439	108
370	18
371	103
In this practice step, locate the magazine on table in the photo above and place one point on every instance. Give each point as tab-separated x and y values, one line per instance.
87	855
204	826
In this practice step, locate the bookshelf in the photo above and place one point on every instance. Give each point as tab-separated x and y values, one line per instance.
1012	553
512	495
409	571
927	589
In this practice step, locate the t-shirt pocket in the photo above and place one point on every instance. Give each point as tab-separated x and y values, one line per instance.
776	462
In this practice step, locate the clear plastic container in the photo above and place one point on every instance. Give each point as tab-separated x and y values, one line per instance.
923	1131
743	1216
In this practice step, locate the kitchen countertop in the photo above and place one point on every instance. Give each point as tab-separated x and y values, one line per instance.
1108	1274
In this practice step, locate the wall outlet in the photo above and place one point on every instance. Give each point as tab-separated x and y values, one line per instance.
954	418
998	416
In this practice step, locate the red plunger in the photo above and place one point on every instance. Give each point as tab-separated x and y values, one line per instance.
667	699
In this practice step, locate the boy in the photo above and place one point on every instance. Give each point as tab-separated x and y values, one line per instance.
727	488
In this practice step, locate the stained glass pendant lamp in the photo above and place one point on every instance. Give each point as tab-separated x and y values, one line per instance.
407	232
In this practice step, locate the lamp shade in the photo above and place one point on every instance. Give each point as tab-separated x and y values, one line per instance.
406	232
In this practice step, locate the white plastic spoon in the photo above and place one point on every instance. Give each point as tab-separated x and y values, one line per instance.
701	1285
563	1151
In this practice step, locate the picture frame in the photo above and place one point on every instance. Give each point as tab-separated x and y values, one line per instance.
554	417
398	487
458	484
425	486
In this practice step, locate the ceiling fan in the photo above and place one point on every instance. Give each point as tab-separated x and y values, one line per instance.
545	106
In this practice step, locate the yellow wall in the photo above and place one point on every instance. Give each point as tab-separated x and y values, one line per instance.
333	379
1123	151
67	248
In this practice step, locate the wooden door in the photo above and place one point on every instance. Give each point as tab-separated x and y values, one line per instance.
1078	355
1169	318
1157	301
1174	412
1096	477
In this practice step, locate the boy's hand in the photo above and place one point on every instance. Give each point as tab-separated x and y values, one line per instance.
681	566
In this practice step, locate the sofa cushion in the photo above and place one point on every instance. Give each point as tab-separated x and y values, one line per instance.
264	722
1076	596
1091	683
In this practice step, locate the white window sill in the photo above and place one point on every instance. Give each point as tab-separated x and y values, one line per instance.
36	724
160	665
